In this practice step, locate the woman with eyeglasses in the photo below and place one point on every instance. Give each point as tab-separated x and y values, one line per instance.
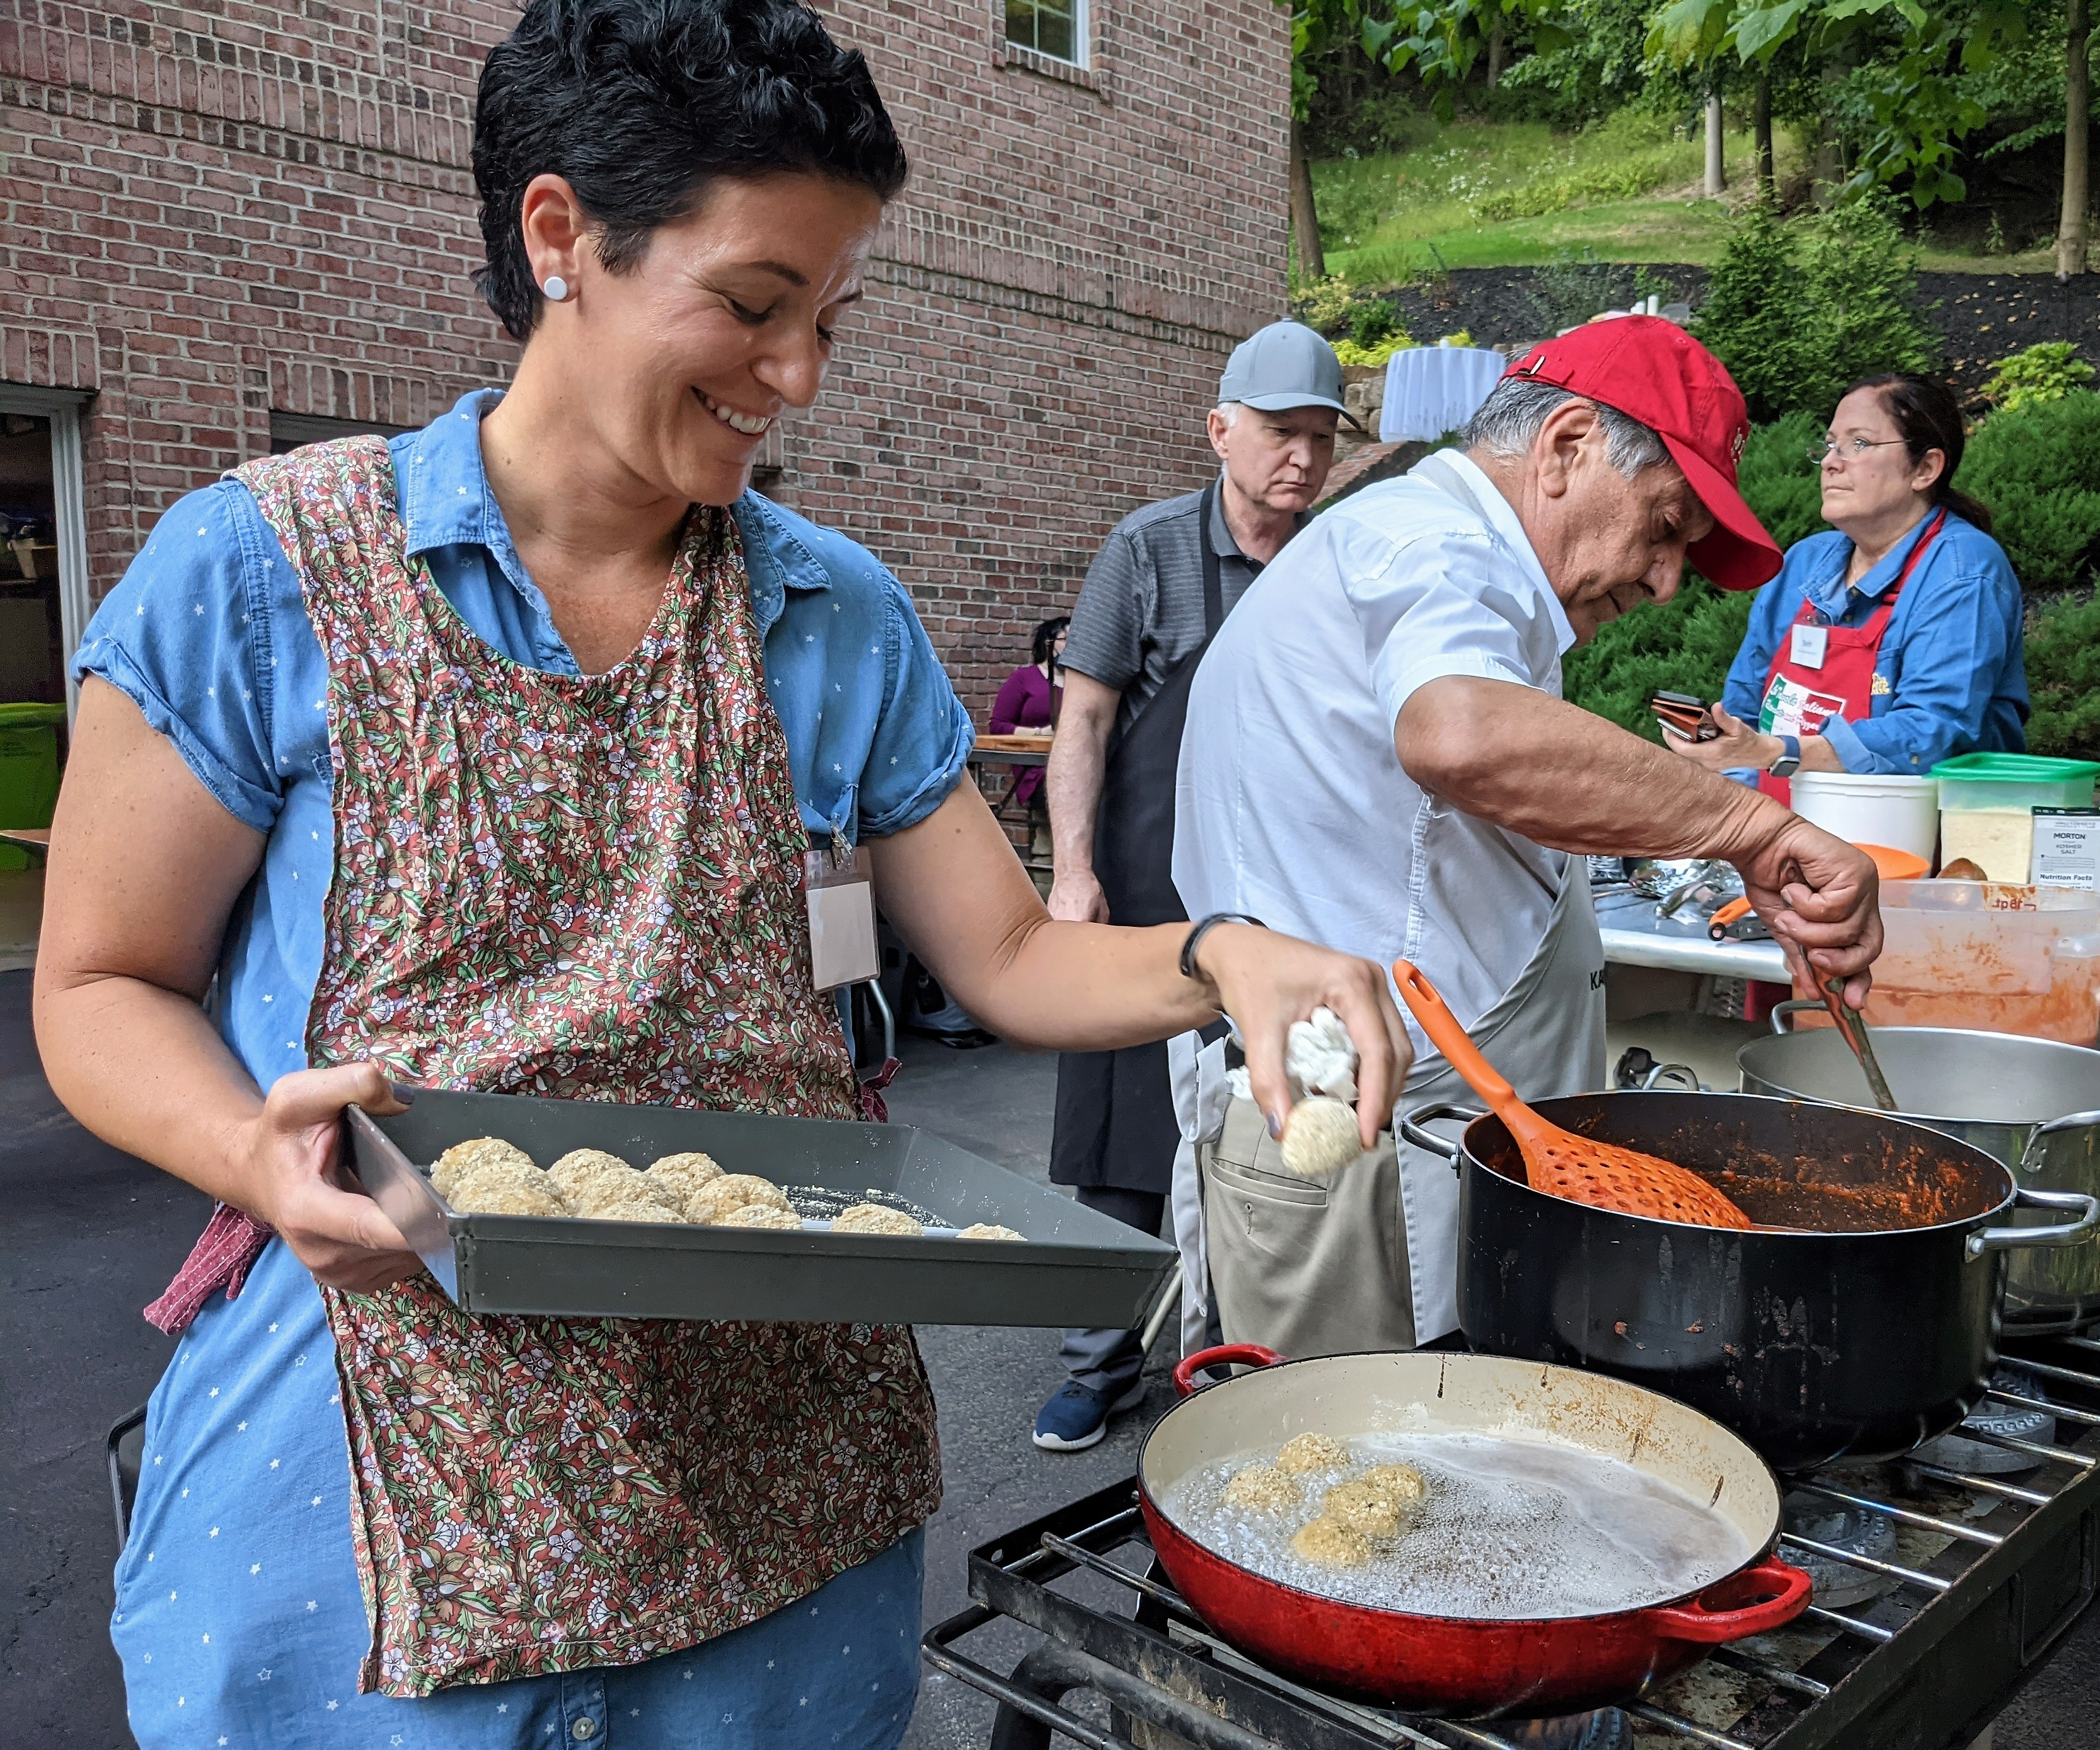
1893	641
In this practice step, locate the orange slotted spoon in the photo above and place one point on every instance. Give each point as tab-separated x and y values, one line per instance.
1559	1161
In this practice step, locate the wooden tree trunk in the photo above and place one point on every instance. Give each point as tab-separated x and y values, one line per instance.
1304	216
2077	105
1495	53
1717	174
1762	122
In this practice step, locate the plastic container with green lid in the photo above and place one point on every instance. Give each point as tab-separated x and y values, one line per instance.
2015	781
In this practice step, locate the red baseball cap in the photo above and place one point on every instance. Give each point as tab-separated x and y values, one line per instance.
1652	371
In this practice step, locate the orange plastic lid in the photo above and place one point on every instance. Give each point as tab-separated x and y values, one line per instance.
1895	865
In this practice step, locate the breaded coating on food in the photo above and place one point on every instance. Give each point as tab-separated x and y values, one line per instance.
1365	1508
1264	1488
607	1199
988	1230
501	1191
873	1218
570	1172
477	1152
1319	1137
760	1215
1331	1544
718	1198
1402	1483
687	1173
1307	1453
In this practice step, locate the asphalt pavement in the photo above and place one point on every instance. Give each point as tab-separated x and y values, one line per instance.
91	1235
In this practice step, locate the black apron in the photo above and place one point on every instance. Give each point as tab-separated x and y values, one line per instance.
1115	1124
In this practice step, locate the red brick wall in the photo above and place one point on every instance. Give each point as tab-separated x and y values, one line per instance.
216	212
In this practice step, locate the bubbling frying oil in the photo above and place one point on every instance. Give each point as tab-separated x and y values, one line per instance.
1510	1529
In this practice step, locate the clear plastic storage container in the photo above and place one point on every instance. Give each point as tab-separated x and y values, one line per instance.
1986	804
1997	957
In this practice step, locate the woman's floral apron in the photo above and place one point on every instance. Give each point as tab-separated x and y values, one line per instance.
588	889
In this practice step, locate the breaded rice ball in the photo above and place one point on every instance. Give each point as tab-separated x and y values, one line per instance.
512	1192
873	1218
681	1175
580	1165
607	1199
1331	1544
719	1197
1365	1509
1401	1483
463	1158
760	1215
1303	1454
1262	1488
988	1230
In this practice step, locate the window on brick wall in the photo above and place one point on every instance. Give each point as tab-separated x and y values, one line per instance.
287	431
1056	28
43	562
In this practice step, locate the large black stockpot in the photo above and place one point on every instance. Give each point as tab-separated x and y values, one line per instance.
1864	1321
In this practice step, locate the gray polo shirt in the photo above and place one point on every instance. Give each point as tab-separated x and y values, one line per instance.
1140	610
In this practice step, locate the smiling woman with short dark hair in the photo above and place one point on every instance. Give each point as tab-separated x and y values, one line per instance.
488	758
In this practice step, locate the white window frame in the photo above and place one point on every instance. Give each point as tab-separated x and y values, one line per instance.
62	408
1083	37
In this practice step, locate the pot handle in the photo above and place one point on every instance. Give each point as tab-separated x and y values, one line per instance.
2069	1121
1427	1141
2055	1234
1753	1601
1250	1354
1784	1012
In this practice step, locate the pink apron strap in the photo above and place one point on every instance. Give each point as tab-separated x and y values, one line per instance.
230	1243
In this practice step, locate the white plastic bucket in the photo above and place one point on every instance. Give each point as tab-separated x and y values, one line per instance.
1867	808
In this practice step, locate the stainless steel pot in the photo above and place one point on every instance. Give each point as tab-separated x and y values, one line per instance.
2033	1104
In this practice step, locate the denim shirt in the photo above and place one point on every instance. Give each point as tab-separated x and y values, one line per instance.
1951	676
208	634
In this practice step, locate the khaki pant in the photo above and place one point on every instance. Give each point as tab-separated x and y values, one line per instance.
1301	1267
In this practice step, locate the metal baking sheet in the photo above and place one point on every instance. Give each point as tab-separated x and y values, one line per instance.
1077	1267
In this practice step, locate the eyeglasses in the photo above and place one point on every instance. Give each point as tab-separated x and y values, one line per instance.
1852	450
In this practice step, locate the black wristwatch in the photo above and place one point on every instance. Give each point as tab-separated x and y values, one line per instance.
1789	762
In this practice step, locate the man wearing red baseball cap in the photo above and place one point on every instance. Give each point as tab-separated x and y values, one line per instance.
1378	758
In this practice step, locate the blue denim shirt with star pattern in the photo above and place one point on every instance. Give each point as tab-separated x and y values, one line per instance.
208	636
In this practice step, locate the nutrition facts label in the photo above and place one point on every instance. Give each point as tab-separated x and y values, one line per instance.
2066	848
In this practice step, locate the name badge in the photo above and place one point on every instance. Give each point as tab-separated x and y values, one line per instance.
1810	644
840	894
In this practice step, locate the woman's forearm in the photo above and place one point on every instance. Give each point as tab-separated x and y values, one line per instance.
144	1069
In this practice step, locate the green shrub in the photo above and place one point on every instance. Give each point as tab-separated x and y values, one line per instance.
1778	481
1324	304
2038	470
2047	372
2063	679
1570	289
1348	352
1684	644
1798	309
1370	323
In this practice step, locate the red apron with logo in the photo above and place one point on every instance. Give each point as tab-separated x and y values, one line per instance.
1801	696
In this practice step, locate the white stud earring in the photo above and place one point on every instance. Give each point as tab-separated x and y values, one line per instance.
556	288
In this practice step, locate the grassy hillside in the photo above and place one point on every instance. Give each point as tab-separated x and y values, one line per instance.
1512	194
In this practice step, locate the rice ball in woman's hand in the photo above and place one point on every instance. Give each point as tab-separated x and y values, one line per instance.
1319	1137
471	1156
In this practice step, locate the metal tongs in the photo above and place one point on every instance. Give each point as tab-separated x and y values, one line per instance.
1851	1027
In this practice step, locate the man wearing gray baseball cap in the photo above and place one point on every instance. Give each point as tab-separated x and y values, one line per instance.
1157	591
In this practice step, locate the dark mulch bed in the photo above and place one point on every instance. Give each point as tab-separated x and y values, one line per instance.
1980	317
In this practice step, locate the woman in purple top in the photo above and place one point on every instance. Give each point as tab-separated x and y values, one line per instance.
1030	699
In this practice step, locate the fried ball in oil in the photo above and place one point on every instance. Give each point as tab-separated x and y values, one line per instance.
716	1200
1304	1453
988	1230
1262	1488
1365	1509
606	1199
1400	1483
471	1155
499	1190
760	1215
1331	1544
873	1218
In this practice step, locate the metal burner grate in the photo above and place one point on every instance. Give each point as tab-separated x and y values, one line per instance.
1986	1575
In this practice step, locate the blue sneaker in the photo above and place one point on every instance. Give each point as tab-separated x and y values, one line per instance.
1077	1415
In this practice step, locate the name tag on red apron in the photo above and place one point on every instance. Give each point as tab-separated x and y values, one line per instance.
1811	644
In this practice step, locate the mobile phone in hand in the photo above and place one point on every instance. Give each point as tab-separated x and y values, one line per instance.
1689	714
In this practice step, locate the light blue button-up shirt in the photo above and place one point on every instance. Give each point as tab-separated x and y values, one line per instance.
1951	677
208	634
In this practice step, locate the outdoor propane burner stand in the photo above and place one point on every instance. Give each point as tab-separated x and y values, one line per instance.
1988	1573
